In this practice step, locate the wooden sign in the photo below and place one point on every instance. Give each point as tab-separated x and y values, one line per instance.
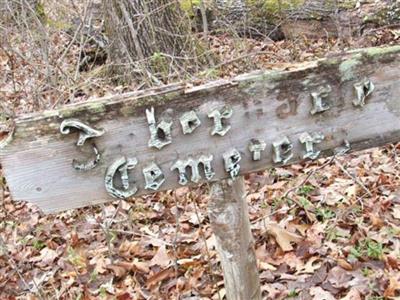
143	142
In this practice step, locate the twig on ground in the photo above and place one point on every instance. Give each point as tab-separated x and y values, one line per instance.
355	179
13	265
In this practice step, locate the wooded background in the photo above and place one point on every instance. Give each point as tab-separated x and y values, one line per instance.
322	230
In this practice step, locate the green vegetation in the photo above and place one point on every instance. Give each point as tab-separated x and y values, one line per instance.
211	73
274	7
324	214
75	259
367	248
93	276
305	203
387	15
366	272
187	6
292	294
38	245
159	64
374	249
305	190
333	233
277	202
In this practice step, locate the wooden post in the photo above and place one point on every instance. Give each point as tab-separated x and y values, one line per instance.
229	219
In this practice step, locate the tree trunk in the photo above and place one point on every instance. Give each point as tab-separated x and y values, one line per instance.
231	16
232	10
149	38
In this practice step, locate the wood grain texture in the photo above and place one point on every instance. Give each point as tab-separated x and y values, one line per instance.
266	105
229	219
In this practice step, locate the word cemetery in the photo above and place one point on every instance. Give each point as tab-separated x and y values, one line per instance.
141	142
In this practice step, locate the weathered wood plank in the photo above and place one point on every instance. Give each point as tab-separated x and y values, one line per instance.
229	219
266	105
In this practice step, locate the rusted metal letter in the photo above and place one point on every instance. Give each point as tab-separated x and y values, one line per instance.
231	162
363	90
160	134
153	177
282	150
189	122
85	132
256	146
219	115
194	164
121	165
309	140
320	101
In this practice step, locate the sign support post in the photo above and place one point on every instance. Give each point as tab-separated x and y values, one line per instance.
229	218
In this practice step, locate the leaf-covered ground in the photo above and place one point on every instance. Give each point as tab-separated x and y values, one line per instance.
323	230
329	229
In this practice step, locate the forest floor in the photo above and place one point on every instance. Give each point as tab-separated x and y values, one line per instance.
328	229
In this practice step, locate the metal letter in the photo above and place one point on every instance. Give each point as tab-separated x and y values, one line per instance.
256	146
309	141
121	165
189	121
320	103
282	150
160	135
85	132
363	90
194	164
153	177
88	165
218	116
342	149
231	162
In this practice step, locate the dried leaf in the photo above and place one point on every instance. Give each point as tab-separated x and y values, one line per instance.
320	294
339	278
396	212
46	257
118	270
196	219
219	295
160	276
283	237
124	296
161	258
100	263
394	286
266	266
140	266
344	264
353	294
310	267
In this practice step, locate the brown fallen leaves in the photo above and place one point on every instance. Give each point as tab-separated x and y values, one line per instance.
283	237
348	249
393	288
307	245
